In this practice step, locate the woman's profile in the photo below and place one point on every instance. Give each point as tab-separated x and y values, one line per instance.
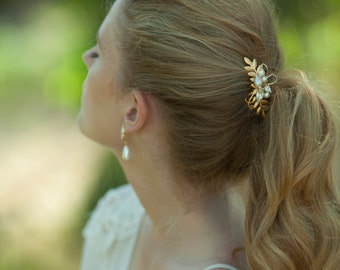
228	155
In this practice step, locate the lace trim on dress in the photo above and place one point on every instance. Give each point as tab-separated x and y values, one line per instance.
116	217
217	266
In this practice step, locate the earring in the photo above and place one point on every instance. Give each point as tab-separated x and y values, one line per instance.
126	150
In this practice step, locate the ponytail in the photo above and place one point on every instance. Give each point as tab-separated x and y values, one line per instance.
293	213
190	58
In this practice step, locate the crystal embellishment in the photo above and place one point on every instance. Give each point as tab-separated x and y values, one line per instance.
267	95
258	98
268	89
258	81
261	72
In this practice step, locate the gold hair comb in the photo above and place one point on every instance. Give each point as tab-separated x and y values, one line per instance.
258	98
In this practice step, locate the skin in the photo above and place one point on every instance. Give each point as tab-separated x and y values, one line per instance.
174	235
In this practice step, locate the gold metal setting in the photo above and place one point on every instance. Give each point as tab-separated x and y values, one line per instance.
258	99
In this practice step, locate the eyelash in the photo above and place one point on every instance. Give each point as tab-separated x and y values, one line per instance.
94	55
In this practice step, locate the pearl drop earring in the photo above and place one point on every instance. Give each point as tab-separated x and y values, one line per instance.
126	150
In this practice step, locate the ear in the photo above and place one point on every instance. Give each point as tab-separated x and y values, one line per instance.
136	111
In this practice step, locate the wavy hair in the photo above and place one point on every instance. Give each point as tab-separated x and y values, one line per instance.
189	54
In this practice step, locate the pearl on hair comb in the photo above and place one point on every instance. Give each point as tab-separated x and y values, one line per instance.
258	98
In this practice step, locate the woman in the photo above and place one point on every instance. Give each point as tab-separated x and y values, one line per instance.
229	155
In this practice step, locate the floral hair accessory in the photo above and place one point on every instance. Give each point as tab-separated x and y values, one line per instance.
258	98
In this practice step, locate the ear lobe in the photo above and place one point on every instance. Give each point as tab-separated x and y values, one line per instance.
137	112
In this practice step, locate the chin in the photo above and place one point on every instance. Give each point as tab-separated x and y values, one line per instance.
80	121
84	129
93	133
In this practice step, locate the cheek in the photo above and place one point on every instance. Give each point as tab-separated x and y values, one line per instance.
92	91
96	115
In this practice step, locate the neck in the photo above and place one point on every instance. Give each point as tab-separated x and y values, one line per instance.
205	228
182	225
153	188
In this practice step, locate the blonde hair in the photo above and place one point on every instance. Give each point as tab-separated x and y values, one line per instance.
189	55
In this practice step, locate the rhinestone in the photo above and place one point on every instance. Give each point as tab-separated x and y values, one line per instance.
259	96
267	95
261	72
258	81
268	89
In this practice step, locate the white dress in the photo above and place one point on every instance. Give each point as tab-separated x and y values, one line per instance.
112	231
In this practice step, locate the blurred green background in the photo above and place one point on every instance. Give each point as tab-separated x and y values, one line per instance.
51	176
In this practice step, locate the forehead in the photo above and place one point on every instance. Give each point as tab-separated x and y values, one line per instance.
111	19
108	44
